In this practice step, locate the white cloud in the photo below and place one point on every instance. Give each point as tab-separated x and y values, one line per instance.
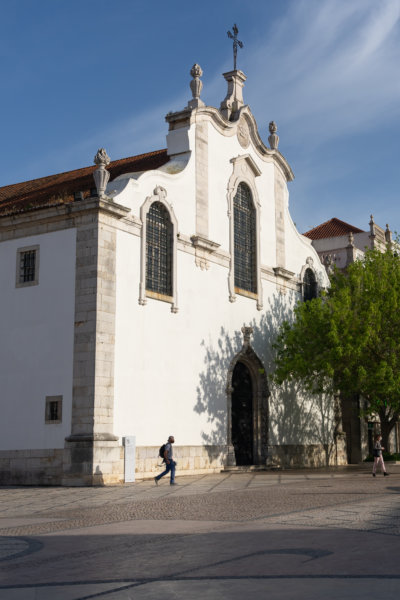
325	70
329	69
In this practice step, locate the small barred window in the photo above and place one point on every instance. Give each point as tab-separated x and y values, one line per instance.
245	240
27	266
159	241
53	409
310	287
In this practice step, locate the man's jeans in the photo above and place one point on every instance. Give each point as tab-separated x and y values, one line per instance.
170	467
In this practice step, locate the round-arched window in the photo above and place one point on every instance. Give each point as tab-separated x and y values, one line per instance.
244	239
159	232
310	287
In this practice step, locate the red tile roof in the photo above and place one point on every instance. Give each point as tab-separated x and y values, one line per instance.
60	188
332	228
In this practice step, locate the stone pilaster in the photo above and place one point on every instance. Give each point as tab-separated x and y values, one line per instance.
92	453
201	141
280	219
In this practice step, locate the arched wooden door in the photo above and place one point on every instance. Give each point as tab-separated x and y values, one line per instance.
242	415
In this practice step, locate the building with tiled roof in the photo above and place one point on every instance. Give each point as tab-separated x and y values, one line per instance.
340	243
64	188
139	297
332	228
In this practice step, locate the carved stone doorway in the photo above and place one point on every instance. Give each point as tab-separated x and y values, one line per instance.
242	415
247	395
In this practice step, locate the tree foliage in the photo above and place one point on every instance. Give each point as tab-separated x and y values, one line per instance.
348	339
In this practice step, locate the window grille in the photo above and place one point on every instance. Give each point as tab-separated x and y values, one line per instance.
310	288
53	409
159	250
245	240
27	266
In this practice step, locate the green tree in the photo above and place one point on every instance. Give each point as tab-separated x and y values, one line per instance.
348	340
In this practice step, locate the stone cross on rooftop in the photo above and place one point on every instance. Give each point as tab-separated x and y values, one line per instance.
236	43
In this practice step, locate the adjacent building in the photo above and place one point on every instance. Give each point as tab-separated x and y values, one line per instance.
339	243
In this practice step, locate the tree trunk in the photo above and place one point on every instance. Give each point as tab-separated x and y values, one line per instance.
387	424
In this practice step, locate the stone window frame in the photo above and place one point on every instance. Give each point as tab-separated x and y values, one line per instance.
49	401
309	265
159	195
245	274
20	251
245	170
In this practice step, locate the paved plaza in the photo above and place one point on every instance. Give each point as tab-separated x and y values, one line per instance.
277	535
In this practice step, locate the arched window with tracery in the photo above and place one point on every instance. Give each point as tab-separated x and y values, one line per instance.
245	267
310	286
159	250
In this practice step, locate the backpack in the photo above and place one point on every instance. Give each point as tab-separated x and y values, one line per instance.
161	452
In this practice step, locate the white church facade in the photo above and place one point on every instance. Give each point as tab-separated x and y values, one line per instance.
140	299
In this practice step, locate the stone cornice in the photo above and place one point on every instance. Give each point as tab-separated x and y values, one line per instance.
62	211
284	273
204	243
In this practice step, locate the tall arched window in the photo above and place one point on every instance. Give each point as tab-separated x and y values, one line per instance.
310	288
245	240
159	250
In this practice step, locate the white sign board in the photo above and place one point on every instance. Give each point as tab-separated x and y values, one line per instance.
130	458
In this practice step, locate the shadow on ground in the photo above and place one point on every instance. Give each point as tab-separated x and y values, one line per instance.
306	563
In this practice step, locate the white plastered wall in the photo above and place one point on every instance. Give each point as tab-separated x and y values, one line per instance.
171	369
36	350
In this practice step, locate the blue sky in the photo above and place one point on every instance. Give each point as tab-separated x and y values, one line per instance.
78	75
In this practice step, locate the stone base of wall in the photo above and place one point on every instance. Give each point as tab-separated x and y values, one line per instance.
297	456
102	463
191	460
88	463
31	467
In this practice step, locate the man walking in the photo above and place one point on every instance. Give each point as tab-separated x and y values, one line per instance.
169	461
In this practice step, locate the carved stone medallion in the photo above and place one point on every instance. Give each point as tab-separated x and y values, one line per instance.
243	133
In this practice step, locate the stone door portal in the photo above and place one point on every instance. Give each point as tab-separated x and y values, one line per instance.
242	415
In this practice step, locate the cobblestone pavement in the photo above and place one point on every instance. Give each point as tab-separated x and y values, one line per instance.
288	535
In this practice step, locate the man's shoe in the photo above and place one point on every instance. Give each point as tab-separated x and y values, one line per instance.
385	474
156	480
173	483
373	475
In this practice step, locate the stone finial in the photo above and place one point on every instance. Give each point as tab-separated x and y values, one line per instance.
101	157
101	176
371	224
372	234
350	249
388	235
196	85
273	138
247	332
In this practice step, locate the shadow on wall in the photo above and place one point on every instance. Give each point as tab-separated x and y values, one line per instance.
295	417
98	477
